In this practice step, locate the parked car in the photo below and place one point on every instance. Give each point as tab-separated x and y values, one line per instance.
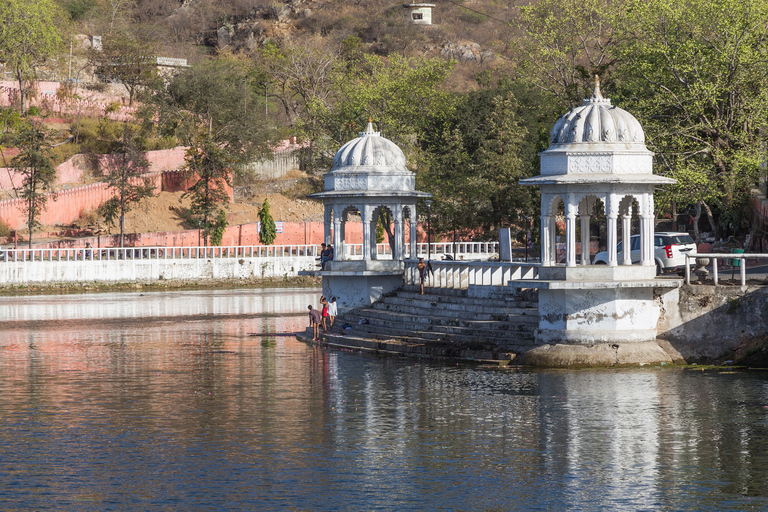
669	251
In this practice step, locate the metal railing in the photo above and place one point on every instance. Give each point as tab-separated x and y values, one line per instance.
479	249
461	275
740	262
159	253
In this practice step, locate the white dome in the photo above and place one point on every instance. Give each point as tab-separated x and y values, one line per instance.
596	120
369	150
370	163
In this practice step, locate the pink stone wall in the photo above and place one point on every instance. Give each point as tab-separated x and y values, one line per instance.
90	103
72	171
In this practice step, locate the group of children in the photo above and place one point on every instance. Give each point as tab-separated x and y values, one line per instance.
323	318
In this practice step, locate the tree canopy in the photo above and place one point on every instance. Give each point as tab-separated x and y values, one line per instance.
29	34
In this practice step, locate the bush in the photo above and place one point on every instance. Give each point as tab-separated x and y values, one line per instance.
60	154
33	111
5	230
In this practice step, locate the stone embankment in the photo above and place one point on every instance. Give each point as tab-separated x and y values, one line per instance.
699	324
439	325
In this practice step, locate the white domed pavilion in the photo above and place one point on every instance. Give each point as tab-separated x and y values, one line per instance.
597	156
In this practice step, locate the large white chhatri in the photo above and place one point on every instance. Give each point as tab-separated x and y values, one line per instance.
594	314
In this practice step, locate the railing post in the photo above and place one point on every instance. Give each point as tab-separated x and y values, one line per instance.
687	269
714	271
743	270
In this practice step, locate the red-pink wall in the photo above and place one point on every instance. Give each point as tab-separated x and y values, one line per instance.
294	233
72	172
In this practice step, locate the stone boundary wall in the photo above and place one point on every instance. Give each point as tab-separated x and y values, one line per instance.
74	169
704	322
294	233
283	161
90	104
151	270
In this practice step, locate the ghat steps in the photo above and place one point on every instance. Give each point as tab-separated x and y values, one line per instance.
440	324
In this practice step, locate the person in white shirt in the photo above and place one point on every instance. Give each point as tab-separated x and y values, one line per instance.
332	312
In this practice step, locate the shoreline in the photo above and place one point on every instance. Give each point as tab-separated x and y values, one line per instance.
157	286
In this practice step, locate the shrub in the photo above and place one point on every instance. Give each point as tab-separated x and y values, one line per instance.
5	230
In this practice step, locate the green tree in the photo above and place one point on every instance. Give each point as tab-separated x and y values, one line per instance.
564	43
38	173
124	171
221	99
211	168
29	34
475	159
694	73
267	231
219	226
129	59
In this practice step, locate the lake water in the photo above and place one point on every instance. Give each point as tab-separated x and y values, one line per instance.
164	401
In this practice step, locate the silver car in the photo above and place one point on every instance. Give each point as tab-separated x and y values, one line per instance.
669	251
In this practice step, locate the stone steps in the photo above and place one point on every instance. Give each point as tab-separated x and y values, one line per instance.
451	321
475	312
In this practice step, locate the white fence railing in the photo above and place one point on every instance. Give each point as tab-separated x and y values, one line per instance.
733	261
465	250
460	275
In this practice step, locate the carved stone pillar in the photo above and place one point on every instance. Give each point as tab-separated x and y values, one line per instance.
626	230
327	219
399	234
365	213
585	257
570	234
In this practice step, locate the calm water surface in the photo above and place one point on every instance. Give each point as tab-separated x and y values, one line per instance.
164	401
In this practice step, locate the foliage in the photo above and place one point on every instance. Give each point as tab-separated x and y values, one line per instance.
220	100
695	75
124	172
80	9
219	225
5	230
129	59
34	164
267	231
329	99
29	34
208	163
476	158
564	43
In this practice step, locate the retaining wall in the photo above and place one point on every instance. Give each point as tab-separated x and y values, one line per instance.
75	169
704	322
151	270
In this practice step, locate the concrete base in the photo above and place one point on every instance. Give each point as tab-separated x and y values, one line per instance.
362	290
597	355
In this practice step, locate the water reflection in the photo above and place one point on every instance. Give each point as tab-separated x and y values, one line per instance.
115	408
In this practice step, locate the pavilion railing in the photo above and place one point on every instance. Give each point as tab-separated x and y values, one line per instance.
462	274
732	261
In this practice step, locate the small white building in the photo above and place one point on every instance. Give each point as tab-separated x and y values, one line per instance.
368	175
597	314
420	14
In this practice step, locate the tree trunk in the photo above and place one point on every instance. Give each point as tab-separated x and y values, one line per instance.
386	220
20	79
674	215
710	217
122	225
696	218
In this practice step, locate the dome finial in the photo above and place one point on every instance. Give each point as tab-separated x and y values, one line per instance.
369	128
596	96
